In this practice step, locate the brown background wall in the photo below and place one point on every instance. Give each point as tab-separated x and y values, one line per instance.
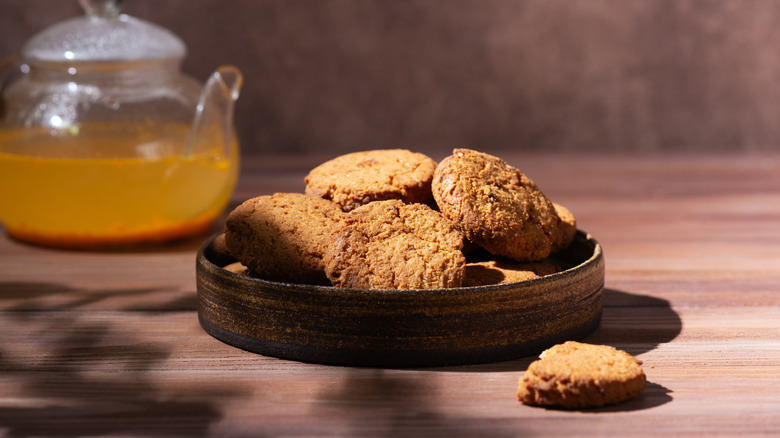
595	75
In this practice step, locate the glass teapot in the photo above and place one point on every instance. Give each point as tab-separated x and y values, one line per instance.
104	141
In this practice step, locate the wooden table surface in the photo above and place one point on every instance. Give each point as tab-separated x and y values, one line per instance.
108	343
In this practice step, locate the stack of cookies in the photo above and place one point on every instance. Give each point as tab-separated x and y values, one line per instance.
395	219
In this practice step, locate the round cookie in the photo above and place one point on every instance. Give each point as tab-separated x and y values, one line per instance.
282	237
492	272
497	206
392	245
576	375
358	178
566	230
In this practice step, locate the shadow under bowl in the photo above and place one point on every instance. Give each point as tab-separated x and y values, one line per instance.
403	328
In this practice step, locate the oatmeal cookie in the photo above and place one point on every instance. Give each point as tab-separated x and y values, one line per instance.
576	375
566	230
497	206
219	251
358	178
392	245
505	271
282	237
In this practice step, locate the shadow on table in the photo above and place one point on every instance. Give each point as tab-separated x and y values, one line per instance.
75	385
71	383
631	322
635	323
28	296
402	403
653	395
399	403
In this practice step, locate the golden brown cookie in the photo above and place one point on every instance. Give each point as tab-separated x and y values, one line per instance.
219	247
282	237
392	245
219	251
358	178
505	271
498	207
576	375
236	268
567	228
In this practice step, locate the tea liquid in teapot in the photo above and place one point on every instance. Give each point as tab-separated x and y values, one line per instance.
104	192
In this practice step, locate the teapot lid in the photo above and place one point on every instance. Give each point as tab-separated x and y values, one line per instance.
103	34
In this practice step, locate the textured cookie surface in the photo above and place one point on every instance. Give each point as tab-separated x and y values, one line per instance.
282	237
578	375
358	178
392	245
503	272
498	207
566	230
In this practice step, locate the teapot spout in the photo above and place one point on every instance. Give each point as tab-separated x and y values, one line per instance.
213	119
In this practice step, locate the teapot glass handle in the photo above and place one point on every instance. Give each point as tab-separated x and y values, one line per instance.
214	113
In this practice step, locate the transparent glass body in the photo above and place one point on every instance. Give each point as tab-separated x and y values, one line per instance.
98	153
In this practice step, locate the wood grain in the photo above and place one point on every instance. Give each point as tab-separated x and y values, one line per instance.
109	343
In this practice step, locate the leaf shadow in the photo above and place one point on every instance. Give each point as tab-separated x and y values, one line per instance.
83	374
41	296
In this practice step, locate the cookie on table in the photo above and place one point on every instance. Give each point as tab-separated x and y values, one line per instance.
358	178
392	245
282	237
497	206
567	228
577	375
493	272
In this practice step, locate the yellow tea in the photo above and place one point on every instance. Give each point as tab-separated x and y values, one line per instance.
111	186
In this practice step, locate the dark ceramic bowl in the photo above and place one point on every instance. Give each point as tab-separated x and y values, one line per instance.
403	328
